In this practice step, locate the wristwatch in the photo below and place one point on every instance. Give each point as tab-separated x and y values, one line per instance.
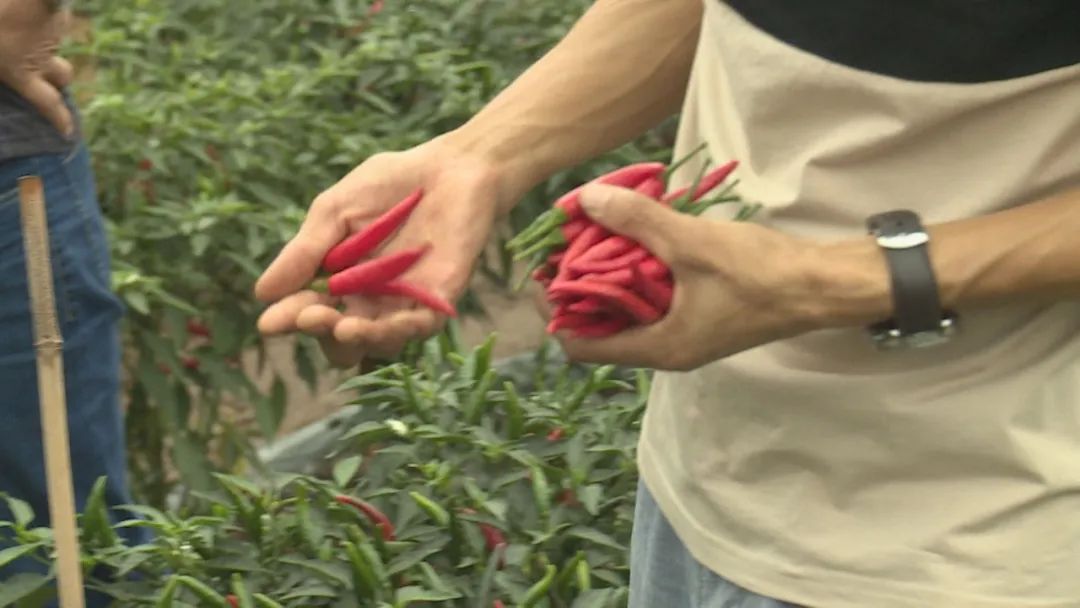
918	319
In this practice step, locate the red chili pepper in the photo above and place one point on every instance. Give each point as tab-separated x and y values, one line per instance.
592	235
493	537
556	240
569	320
377	517
415	292
655	291
603	329
498	604
652	188
556	434
651	268
354	248
196	328
587	306
191	363
629	176
375	273
623	298
573	229
376	8
568	208
542	275
233	601
568	498
634	256
610	248
707	184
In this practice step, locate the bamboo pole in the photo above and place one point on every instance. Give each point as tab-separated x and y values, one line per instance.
49	346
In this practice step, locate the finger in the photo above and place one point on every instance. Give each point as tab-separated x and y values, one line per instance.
47	99
642	346
388	334
625	212
281	317
300	259
59	72
340	355
318	320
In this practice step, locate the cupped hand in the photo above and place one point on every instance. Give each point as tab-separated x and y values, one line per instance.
30	34
461	195
737	286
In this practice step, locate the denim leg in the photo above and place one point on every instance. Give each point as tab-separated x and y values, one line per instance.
89	315
663	573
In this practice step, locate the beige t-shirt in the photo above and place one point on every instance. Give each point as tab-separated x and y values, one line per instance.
820	471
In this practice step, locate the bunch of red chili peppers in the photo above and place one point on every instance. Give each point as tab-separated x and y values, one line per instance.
602	283
351	274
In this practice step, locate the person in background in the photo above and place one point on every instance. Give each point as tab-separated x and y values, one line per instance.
803	444
40	135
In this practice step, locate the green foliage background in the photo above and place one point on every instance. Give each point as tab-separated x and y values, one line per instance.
213	124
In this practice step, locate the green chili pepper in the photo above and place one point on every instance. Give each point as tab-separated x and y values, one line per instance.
540	589
541	491
204	592
241	592
434	511
166	598
363	578
375	564
569	570
584	576
263	601
596	377
478	400
413	400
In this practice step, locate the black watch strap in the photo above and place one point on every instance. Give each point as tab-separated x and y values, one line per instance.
918	317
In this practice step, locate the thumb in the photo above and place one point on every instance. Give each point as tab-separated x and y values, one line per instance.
634	215
46	98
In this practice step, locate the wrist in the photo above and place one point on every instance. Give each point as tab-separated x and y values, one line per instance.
508	155
850	281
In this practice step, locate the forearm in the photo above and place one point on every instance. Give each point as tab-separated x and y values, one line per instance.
620	71
1030	252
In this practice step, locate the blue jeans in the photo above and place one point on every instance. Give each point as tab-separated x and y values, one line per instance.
89	316
663	573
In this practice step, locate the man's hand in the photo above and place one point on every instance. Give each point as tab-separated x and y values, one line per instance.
30	34
737	286
461	196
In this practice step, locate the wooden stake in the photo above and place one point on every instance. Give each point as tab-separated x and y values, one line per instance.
49	345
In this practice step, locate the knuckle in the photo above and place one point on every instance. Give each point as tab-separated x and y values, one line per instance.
328	203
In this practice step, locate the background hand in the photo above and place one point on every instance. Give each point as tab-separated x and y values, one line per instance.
461	194
30	35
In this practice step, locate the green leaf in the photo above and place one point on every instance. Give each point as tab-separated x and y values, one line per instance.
595	598
13	553
20	510
596	537
590	497
190	459
406	595
345	470
96	524
21	587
